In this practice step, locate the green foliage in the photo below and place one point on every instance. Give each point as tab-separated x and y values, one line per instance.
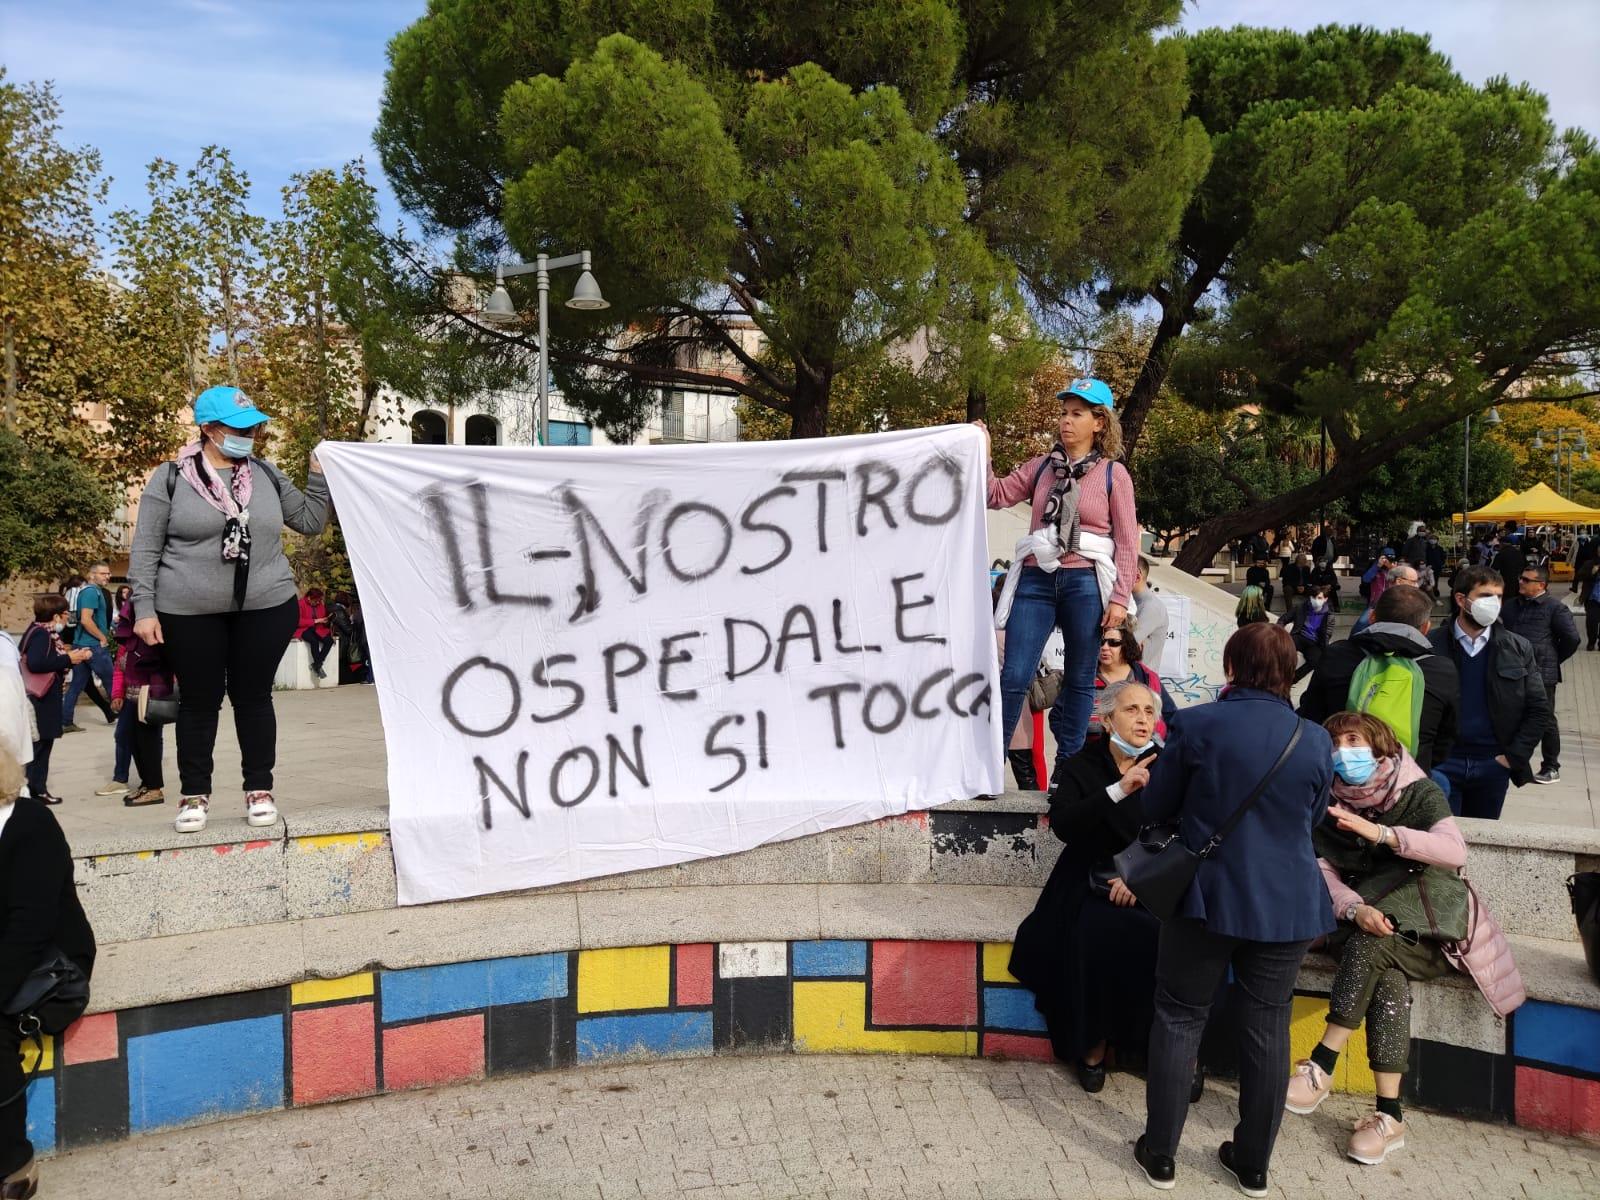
843	173
52	507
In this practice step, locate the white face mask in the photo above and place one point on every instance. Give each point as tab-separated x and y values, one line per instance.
1485	610
1318	603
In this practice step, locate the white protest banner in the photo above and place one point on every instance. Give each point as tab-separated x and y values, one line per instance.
600	660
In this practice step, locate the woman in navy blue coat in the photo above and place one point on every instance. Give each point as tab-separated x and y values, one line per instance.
1257	902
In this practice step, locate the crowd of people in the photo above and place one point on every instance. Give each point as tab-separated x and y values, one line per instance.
1348	845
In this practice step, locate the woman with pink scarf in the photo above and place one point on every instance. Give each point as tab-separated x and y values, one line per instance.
212	587
1391	855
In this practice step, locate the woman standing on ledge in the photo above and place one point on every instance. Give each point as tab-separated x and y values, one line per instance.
1075	569
211	584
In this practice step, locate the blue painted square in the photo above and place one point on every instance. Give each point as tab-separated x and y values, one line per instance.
645	1033
204	1073
42	1113
813	959
524	980
1010	1008
1558	1034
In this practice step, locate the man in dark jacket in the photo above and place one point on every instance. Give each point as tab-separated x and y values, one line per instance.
1415	551
1547	624
1504	708
1400	626
1508	557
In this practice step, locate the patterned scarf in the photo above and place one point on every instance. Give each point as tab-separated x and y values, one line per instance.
1379	793
233	502
1061	507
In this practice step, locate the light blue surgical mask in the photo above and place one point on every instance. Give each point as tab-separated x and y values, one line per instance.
1354	764
1128	747
235	446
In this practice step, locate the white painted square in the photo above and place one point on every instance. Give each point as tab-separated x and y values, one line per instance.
752	960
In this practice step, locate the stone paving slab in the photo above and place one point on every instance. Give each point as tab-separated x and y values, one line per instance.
796	1126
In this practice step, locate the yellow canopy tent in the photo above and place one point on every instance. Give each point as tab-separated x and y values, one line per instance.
1541	504
1495	510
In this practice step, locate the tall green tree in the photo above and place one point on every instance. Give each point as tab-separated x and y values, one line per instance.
1405	260
845	173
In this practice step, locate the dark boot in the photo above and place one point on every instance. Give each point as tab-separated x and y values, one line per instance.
1022	767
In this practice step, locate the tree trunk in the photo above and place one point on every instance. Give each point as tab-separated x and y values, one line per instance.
977	405
319	325
809	417
12	416
1152	377
228	328
369	396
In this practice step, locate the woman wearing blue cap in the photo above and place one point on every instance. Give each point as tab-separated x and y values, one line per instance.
1075	570
212	586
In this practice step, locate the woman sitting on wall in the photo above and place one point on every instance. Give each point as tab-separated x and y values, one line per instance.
1088	951
1391	854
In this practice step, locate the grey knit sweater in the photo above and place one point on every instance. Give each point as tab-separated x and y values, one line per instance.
176	564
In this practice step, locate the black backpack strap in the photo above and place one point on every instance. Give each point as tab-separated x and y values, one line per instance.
172	480
1232	822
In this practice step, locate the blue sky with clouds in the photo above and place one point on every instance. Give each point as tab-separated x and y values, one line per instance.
292	84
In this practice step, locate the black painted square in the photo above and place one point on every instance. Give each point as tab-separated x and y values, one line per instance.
537	1036
975	833
1455	1079
748	1014
92	1103
208	1010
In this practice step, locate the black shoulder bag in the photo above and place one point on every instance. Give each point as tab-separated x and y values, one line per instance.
52	997
1159	869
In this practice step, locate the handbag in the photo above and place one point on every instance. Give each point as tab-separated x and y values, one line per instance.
36	684
1044	689
1584	889
1159	869
52	997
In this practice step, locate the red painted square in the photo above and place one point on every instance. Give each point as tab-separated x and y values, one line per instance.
1017	1045
1544	1100
1586	1108
333	1053
694	975
925	983
90	1039
433	1052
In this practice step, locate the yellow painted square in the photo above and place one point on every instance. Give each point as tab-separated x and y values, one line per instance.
997	963
29	1054
832	1017
1309	1019
633	977
320	991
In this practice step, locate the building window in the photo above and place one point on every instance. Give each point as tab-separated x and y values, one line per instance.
428	429
672	418
483	431
570	433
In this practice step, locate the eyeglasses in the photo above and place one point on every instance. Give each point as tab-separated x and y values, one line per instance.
1525	579
1111	641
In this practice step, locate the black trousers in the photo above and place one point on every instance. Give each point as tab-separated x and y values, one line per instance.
1591	621
1313	655
147	754
1550	744
1190	962
38	771
320	644
234	654
15	1148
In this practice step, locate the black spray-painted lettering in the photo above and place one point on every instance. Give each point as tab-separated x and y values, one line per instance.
541	678
956	688
586	525
488	775
447	698
436	508
728	626
724	529
838	634
821	479
635	765
876	496
901	608
480	513
715	751
575	754
670	658
833	691
953	471
610	654
767	527
921	694
897	708
789	634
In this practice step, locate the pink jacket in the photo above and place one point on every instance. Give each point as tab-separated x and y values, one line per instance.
1117	520
1484	953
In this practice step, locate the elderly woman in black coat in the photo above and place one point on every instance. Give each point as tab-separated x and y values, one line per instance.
40	913
1088	951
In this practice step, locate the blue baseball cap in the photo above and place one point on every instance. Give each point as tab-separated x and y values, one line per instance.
227	406
1090	391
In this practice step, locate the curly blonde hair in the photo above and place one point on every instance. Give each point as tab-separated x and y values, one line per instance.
1108	438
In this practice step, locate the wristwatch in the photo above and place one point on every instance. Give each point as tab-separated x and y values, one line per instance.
1350	910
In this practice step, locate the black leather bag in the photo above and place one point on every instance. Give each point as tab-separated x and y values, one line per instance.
1584	888
52	997
1159	869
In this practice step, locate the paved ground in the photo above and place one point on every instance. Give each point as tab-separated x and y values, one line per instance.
794	1126
330	755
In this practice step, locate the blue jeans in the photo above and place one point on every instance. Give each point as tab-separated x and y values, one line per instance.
1442	780
1067	599
100	663
1477	786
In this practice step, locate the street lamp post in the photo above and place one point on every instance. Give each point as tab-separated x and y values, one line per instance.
1492	417
1570	440
499	310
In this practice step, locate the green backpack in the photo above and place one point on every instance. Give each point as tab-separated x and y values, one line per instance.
1390	687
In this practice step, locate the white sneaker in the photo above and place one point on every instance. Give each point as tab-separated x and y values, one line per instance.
259	809
114	788
192	814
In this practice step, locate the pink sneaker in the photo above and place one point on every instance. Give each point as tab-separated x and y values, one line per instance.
1308	1087
1374	1137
